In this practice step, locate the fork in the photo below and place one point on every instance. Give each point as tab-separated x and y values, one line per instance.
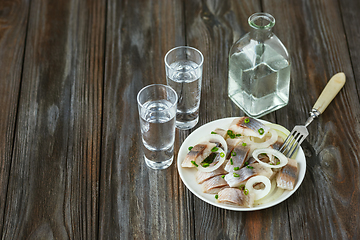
299	133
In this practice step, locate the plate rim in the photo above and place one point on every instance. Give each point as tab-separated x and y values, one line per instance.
282	198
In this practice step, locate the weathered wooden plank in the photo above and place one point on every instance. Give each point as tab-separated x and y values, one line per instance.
349	13
213	26
13	18
135	201
326	206
53	186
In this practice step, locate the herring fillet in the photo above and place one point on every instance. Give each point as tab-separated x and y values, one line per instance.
238	157
214	184
236	196
203	176
287	176
251	128
197	154
239	177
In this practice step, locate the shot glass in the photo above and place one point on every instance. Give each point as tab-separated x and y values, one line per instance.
183	66
157	112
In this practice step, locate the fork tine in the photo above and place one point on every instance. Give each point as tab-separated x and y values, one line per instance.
288	140
292	143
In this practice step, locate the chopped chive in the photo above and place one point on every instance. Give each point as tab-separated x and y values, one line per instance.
236	168
246	163
222	154
212	132
216	196
233	153
190	148
244	144
214	149
277	163
231	161
193	162
205	165
242	187
246	191
238	135
223	176
261	131
263	154
247	120
236	175
231	134
251	167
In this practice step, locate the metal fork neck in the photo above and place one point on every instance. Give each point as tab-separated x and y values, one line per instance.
313	114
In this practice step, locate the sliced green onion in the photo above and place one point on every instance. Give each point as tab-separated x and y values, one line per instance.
231	134
214	149
236	168
244	144
231	161
236	175
223	176
246	163
238	135
216	196
190	148
242	187
247	120
212	132
206	165
222	154
233	153
261	131
278	163
193	162
246	191
251	167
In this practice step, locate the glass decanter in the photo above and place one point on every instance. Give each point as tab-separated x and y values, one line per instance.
259	69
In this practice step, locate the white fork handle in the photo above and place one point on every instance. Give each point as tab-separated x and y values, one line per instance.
330	91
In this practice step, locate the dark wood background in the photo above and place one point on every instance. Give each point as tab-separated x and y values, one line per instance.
71	164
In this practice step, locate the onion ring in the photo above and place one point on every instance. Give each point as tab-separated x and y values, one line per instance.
217	165
267	143
259	193
222	149
269	151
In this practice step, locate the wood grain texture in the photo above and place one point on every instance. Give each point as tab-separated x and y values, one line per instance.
135	201
324	210
13	24
212	27
54	178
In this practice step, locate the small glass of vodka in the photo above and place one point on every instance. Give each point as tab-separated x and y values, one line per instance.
183	66
157	112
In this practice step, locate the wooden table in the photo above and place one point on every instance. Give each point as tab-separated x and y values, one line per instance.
71	163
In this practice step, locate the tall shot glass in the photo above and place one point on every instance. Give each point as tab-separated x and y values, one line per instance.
183	66
157	112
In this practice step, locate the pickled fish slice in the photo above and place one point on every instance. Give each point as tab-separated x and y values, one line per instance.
279	142
238	157
239	177
221	132
249	127
235	196
231	143
203	176
197	154
287	176
214	184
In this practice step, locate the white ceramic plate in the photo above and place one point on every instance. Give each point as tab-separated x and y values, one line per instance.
187	175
